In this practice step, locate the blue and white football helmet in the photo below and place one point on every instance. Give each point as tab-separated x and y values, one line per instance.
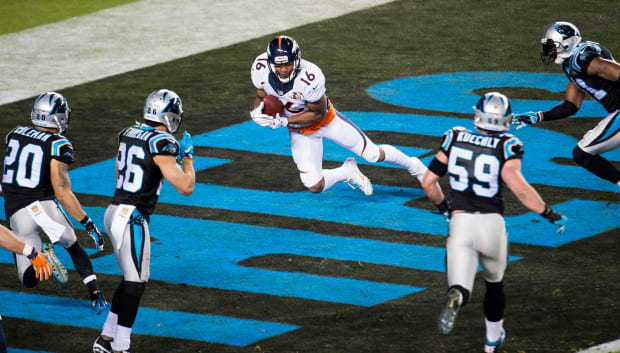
493	112
165	107
51	110
559	42
282	50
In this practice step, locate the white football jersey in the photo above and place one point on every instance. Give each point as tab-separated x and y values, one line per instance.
308	85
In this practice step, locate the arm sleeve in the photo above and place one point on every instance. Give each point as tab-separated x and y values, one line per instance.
560	111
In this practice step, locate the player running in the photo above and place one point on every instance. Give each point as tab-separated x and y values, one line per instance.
590	68
38	196
478	164
147	154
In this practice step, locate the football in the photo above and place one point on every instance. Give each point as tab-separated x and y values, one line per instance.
272	106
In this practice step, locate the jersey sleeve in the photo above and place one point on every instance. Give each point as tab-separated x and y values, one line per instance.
448	138
313	81
259	71
584	56
513	148
163	144
62	150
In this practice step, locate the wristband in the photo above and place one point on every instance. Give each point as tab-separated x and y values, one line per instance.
27	251
86	220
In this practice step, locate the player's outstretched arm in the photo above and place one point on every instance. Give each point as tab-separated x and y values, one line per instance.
430	183
184	179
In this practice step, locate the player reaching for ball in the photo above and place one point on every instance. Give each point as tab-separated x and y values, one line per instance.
310	116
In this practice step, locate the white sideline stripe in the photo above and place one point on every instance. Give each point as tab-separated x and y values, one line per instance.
608	347
142	34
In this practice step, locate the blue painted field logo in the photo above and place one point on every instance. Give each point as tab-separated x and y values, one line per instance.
225	245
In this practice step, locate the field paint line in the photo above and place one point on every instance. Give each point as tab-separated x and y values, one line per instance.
145	33
608	347
150	321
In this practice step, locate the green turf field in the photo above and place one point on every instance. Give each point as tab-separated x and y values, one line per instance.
558	299
16	16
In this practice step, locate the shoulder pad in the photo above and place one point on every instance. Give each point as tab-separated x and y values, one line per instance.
513	147
448	136
163	143
583	56
62	149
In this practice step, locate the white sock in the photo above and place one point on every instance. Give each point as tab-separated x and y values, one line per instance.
109	326
413	165
333	176
618	183
122	339
494	329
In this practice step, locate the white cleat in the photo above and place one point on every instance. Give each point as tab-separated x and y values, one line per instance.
356	178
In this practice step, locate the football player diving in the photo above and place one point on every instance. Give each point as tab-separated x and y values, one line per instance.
311	116
479	163
590	68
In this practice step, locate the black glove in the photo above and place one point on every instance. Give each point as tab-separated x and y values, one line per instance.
93	231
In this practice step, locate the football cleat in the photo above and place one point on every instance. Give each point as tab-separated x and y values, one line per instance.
492	347
450	310
356	178
98	302
102	346
58	270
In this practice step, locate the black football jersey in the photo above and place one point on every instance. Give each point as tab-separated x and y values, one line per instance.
605	92
26	174
139	178
475	162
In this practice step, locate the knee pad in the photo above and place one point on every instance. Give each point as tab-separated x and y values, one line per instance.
29	279
135	289
371	153
580	156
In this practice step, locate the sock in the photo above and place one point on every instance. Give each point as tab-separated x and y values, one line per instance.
109	326
413	165
80	260
494	329
122	338
333	176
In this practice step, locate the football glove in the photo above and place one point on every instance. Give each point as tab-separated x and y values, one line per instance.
42	268
525	119
443	209
260	118
555	218
278	121
98	302
93	232
186	146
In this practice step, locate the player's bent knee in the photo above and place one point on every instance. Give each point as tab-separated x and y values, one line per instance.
318	187
371	153
29	280
580	156
135	289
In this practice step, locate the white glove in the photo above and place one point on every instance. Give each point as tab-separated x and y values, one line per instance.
260	118
278	121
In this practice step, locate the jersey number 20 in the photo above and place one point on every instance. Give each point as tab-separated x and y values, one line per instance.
23	164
